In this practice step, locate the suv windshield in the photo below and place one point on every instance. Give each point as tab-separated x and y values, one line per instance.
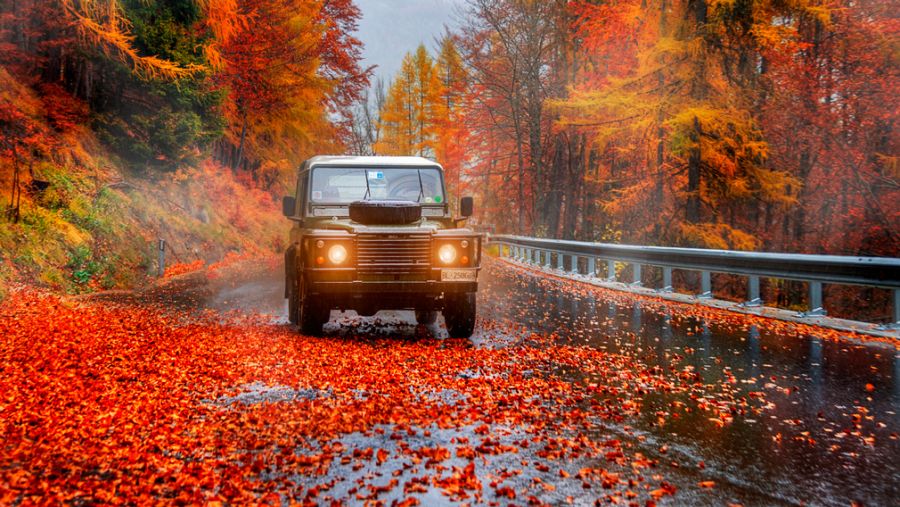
340	185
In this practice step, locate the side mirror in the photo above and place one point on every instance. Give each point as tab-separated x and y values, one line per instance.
288	206
466	207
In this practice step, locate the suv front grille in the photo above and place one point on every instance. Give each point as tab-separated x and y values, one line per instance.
393	254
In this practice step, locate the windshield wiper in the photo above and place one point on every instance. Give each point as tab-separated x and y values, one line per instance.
421	186
368	190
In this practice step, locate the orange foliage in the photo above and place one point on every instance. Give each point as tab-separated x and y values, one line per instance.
184	267
101	23
285	71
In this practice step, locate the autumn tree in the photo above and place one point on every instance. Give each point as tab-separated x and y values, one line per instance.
696	151
509	50
413	109
138	65
453	132
284	74
829	118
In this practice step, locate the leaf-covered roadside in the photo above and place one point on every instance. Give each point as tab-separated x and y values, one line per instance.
126	404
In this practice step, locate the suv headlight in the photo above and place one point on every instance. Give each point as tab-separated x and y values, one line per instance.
447	254
330	252
456	252
337	254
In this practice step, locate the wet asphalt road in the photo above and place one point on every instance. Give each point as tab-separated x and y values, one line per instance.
829	437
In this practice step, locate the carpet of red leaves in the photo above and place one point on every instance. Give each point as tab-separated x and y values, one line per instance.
116	404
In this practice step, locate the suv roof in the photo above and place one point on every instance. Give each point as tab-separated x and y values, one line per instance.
352	161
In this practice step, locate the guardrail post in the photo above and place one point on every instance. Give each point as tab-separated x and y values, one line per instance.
815	301
705	286
753	298
547	259
161	267
895	319
610	270
592	267
636	279
559	261
574	259
667	280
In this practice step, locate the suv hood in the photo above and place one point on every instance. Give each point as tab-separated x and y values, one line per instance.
345	224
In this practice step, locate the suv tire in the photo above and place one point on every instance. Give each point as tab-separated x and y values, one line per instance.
426	317
459	313
307	313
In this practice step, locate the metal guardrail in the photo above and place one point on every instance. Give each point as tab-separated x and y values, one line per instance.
815	270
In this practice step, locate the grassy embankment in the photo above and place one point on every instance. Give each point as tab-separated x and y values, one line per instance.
96	224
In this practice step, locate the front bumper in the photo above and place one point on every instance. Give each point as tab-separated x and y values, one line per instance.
368	297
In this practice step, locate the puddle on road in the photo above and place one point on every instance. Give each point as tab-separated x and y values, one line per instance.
258	392
411	461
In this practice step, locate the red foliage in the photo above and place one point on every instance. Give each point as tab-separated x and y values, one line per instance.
105	403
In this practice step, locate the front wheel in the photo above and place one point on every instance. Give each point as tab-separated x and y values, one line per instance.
426	317
305	311
459	313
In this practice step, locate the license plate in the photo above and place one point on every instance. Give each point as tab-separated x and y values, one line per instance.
459	275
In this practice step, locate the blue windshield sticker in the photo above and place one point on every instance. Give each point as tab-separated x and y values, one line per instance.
376	175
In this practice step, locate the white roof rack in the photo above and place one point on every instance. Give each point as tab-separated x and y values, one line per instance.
353	161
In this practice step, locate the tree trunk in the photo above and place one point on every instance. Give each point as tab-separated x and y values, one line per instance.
240	150
692	213
536	152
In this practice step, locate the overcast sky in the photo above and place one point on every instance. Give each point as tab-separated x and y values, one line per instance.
391	28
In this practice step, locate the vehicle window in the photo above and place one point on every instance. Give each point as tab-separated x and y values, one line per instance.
335	185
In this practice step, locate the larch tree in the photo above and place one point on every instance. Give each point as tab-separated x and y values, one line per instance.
680	117
413	110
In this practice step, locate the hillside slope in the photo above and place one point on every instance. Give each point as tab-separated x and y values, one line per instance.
86	221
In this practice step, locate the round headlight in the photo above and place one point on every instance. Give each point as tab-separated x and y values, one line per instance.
447	254
337	254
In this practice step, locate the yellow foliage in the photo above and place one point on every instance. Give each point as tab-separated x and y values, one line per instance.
413	110
224	19
717	236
